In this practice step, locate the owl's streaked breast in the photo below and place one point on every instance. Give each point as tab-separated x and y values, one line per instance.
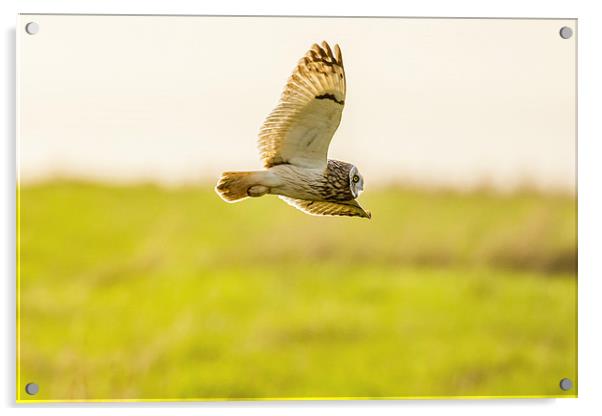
335	186
331	184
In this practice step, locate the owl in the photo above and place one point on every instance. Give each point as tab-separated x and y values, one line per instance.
294	140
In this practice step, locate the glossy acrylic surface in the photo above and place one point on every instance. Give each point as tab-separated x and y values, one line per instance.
136	282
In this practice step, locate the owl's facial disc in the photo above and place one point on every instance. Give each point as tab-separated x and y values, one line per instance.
356	182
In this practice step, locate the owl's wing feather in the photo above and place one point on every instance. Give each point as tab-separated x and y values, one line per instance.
300	128
343	208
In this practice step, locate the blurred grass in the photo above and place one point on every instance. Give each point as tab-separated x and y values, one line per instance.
138	292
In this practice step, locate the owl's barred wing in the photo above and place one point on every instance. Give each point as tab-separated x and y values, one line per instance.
300	128
346	208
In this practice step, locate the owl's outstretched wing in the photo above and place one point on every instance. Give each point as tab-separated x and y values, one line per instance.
344	208
300	128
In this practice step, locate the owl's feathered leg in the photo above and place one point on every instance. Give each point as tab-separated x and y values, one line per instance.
257	190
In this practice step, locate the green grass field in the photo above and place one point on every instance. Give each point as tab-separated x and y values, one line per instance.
138	292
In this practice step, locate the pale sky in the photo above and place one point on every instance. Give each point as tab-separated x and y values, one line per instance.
181	99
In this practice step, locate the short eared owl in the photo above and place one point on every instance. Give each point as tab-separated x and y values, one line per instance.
294	140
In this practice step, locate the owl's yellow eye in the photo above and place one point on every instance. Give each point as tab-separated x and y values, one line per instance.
356	179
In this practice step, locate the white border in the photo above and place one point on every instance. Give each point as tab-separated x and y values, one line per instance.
590	201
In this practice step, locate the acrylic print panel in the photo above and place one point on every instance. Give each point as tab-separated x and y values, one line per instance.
137	280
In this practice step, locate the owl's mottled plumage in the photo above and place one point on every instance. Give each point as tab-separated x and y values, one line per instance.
294	140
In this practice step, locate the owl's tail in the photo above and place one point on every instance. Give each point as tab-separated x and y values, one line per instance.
234	186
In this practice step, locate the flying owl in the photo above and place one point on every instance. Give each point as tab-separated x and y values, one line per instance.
294	140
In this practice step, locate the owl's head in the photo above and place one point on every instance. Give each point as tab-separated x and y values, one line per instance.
356	182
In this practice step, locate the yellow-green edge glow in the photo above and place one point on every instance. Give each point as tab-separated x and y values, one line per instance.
18	241
228	399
